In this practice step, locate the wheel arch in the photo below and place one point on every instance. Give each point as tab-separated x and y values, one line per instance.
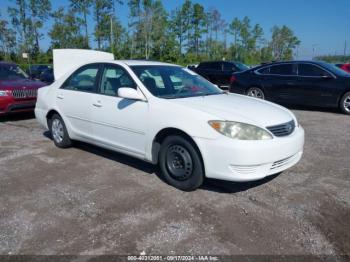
50	113
342	94
165	132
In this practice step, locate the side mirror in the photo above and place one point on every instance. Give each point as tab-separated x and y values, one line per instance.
130	93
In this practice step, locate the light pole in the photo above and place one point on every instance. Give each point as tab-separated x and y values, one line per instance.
313	50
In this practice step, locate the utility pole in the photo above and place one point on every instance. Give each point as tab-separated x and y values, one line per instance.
345	46
112	45
313	50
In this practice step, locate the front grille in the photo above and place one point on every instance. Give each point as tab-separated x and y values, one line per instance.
24	93
283	129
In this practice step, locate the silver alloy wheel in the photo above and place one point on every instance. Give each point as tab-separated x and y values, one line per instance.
347	103
256	92
57	130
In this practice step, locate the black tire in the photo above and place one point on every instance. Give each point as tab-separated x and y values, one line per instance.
344	103
65	140
181	163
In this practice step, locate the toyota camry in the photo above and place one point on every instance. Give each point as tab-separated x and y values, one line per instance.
167	115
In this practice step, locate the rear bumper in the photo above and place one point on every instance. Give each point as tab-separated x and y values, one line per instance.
9	105
241	161
40	116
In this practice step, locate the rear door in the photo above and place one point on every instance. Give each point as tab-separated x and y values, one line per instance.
280	82
75	99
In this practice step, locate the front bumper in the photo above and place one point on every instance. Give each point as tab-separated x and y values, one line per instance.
241	161
9	105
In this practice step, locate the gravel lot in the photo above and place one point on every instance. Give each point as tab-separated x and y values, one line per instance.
87	200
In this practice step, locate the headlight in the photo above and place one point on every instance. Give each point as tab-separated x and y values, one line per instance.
240	131
3	93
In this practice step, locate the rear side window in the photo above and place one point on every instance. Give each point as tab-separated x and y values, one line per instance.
287	69
216	66
211	66
85	79
203	65
264	71
310	70
229	67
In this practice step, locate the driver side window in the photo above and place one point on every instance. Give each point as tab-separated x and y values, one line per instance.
311	71
113	78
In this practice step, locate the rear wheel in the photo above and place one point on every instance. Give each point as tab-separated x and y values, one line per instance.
256	92
345	103
180	163
59	132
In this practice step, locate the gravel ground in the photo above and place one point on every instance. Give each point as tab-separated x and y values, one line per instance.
87	200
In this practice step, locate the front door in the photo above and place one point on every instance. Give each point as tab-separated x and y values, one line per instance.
316	86
119	123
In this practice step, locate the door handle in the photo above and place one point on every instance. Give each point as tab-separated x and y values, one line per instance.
60	96
97	104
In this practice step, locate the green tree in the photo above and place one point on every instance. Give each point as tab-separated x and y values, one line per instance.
66	30
198	26
20	21
7	40
103	10
234	29
283	42
83	7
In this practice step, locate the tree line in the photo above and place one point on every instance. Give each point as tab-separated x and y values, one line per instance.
334	58
189	34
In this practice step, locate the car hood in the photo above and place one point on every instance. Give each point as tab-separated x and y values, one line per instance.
19	83
233	107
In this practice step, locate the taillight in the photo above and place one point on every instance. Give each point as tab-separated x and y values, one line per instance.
233	79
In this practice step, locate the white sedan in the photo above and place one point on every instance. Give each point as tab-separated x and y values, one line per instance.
167	115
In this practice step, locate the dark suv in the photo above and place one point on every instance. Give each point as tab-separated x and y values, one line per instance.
219	72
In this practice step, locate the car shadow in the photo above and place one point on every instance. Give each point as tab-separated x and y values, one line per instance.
228	187
112	155
17	117
213	185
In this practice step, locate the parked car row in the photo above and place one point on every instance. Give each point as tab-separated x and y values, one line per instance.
169	115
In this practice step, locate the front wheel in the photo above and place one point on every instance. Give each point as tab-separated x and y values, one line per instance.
59	132
345	103
256	92
181	164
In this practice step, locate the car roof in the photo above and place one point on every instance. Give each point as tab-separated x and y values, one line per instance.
143	63
290	62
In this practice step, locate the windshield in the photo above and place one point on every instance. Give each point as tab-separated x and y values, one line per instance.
12	72
174	82
334	69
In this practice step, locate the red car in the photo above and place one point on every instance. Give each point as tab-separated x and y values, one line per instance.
345	67
17	91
